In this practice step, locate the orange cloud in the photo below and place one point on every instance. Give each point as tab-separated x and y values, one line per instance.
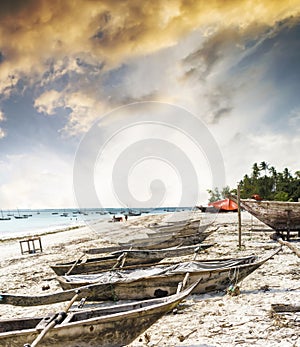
32	34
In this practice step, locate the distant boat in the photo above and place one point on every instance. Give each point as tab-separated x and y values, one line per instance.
134	213
21	216
64	214
4	218
225	205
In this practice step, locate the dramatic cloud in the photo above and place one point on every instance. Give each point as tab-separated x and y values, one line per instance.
48	102
34	32
234	64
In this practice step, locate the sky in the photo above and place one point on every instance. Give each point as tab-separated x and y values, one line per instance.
125	103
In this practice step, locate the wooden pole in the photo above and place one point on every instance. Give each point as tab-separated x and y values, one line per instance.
73	266
239	216
60	317
290	246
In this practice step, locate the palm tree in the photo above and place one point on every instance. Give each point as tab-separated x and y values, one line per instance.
264	166
273	173
255	171
286	174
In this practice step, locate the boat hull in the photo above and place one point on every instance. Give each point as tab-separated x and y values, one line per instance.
164	284
105	327
92	266
152	287
279	215
169	240
159	285
131	258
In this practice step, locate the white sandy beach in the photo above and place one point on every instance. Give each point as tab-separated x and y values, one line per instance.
209	320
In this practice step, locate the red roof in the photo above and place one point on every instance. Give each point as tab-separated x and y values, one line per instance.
225	205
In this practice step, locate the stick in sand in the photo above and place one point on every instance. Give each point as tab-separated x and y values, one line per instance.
290	246
59	318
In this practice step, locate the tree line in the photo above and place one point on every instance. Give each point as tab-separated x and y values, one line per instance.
265	181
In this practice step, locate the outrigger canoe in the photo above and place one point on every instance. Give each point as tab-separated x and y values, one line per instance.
115	325
123	259
154	281
158	281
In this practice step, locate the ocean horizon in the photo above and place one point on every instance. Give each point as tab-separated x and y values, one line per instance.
26	222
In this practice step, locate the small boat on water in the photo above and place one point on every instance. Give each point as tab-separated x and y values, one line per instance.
158	281
123	259
23	216
133	213
115	325
282	216
4	218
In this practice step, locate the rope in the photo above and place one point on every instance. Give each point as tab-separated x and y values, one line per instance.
233	289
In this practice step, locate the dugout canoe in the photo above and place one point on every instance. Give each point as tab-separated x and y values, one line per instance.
178	232
153	281
111	326
279	215
167	241
213	275
174	226
123	259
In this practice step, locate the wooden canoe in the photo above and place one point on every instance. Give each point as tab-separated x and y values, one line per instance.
183	231
162	280
115	325
167	241
213	275
175	225
131	257
279	215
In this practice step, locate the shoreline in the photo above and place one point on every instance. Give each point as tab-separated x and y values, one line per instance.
211	320
42	233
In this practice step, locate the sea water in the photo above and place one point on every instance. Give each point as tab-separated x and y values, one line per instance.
47	220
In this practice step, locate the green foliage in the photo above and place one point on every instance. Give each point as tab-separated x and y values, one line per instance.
216	194
281	196
265	181
271	184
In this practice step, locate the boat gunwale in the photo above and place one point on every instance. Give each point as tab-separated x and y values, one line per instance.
170	300
256	262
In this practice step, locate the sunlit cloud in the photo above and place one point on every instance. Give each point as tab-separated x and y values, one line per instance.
2	116
32	34
234	64
2	133
48	102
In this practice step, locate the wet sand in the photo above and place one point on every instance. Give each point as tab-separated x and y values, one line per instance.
211	320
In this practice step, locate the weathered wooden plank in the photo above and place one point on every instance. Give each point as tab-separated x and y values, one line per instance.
285	308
